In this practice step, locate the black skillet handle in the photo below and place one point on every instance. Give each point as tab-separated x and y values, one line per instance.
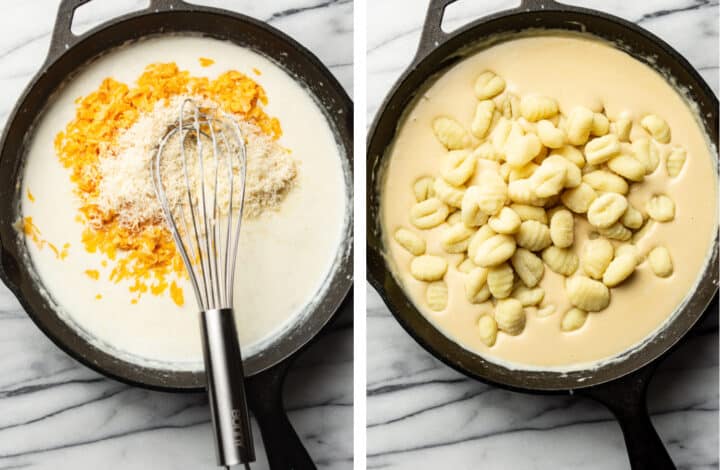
283	447
63	38
627	400
433	34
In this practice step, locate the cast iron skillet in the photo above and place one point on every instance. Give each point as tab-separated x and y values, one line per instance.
622	385
68	53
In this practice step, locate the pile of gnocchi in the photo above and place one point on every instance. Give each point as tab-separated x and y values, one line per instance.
513	183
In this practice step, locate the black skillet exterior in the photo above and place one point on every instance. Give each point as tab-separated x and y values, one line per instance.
436	52
66	55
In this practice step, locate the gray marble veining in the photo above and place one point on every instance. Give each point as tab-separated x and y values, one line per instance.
423	415
57	414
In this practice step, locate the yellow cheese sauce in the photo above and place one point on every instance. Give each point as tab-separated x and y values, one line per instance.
576	72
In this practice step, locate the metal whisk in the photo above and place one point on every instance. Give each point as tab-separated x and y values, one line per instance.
203	208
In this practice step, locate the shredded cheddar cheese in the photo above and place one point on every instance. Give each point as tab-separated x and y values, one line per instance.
145	256
92	274
30	196
205	62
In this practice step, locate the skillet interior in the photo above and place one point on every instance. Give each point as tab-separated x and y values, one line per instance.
219	24
639	43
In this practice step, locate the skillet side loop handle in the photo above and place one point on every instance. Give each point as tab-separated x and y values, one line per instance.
433	34
626	398
283	447
63	38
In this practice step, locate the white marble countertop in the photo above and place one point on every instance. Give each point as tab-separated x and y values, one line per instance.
423	415
56	413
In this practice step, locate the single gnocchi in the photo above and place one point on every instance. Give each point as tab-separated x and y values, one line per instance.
537	107
495	250
579	125
571	154
528	296
521	149
510	316
675	161
661	208
428	268
660	261
605	181
447	193
454	218
483	233
622	128
632	218
476	288
436	296
549	179
487	330
488	85
471	213
528	266
645	152
428	213
573	319
527	212
455	239
492	192
550	136
616	231
500	280
600	125
579	199
451	133
459	167
606	210
410	241
466	266
487	151
506	222
627	167
546	311
619	269
562	228
657	127
561	260
533	235
596	257
587	294
573	173
483	118
522	192
423	188
601	149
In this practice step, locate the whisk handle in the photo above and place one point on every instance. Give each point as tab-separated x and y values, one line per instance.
226	387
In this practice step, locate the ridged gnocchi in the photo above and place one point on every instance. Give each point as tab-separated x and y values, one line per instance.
601	149
487	330
660	261
600	124
619	269
447	193
587	294
528	266
455	239
487	151
412	242
423	188
550	136
573	174
470	212
562	228
495	250
436	296
483	118
561	260
579	125
657	127
549	179
476	288
533	235
606	210
632	218
428	268
451	133
507	221
537	107
528	296
510	316
527	212
627	167
616	231
500	280
579	199
596	257
645	152
622	128
492	192
522	192
605	181
661	208
459	167
428	213
675	161
573	319
488	85
521	149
